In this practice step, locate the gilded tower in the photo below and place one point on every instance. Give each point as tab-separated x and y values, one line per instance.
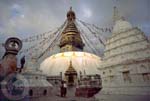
71	75
70	37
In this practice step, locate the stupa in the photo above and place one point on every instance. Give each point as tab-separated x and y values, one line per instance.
71	48
125	68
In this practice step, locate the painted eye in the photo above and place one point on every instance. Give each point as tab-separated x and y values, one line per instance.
13	45
10	45
16	46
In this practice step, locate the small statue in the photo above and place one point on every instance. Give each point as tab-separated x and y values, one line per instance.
22	61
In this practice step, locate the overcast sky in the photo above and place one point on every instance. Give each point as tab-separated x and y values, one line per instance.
24	18
35	16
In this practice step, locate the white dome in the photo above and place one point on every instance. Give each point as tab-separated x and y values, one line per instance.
121	26
81	61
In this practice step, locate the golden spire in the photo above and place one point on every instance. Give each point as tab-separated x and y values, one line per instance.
70	37
70	69
71	15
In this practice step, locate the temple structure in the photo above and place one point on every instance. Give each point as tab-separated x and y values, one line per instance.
37	83
71	61
71	47
71	75
125	68
71	39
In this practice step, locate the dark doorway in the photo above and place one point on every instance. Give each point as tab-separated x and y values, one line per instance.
30	92
71	79
45	92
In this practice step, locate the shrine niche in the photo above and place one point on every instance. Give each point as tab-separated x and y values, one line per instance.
71	75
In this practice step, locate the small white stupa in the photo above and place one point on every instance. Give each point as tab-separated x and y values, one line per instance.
36	80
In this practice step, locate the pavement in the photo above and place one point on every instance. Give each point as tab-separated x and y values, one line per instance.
119	97
55	96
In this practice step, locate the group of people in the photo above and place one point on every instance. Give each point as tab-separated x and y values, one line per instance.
63	89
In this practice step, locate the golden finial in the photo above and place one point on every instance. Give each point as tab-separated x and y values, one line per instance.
70	63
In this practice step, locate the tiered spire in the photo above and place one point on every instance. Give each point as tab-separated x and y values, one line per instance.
71	15
120	24
70	37
71	75
116	15
71	70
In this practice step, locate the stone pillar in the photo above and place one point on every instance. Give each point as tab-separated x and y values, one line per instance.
9	61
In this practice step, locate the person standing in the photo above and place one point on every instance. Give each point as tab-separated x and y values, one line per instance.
65	89
22	61
62	89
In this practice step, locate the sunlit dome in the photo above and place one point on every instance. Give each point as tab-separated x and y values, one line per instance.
121	26
81	61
